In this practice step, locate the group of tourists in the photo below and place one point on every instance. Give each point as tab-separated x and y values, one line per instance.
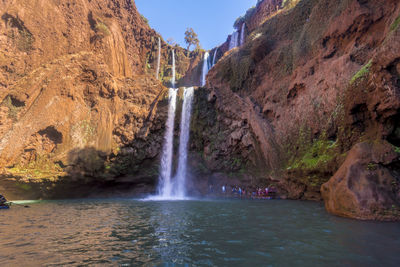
269	192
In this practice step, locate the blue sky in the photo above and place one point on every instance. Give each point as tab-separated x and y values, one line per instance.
212	20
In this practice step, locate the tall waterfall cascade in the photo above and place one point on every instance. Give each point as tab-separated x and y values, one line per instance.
158	58
206	68
181	174
173	187
165	182
242	34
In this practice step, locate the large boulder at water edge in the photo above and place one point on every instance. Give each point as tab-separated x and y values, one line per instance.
366	186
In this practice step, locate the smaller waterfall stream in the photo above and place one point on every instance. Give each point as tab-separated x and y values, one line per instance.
234	40
215	56
158	58
165	184
206	68
173	69
242	33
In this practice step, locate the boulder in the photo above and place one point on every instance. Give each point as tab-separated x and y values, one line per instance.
366	186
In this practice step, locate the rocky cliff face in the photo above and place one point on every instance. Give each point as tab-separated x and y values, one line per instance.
310	103
79	101
312	81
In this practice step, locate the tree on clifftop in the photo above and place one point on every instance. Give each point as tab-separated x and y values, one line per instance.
191	38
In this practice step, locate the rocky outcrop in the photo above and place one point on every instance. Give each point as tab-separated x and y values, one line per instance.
366	186
262	12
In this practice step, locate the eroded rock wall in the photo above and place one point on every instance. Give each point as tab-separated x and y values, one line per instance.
79	101
310	83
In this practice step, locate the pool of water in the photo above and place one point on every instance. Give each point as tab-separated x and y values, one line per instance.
191	233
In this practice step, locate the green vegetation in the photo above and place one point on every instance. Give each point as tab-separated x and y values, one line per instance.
289	3
361	74
145	19
372	166
396	149
23	40
312	157
236	69
318	155
395	24
12	110
41	168
25	187
102	28
317	163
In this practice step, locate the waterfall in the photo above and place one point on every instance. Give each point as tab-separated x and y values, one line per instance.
206	68
173	68
158	58
183	142
215	56
242	38
234	40
165	185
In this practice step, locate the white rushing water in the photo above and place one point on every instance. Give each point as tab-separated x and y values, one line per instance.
234	40
158	58
165	183
173	69
215	56
242	33
206	68
183	143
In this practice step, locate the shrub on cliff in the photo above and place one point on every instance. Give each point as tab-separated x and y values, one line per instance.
289	3
102	28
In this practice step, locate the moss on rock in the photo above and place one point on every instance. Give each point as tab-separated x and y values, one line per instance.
362	73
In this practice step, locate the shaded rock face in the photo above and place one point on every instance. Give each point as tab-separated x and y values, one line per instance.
310	83
366	186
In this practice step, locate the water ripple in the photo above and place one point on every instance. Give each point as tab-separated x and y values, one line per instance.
192	233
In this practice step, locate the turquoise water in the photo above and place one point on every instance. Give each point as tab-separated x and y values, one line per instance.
191	233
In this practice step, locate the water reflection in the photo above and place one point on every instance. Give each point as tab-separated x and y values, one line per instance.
171	221
214	233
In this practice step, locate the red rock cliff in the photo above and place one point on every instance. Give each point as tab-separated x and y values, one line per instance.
313	80
77	91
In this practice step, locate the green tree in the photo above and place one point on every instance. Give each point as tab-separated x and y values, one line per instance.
191	38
